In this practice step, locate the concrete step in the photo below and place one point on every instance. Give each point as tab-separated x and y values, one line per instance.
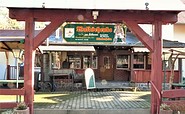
92	111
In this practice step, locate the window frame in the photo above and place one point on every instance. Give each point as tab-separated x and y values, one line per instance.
144	61
128	61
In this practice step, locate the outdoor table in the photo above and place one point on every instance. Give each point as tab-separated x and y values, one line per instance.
177	85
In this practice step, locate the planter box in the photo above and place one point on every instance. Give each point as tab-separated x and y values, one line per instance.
22	111
166	112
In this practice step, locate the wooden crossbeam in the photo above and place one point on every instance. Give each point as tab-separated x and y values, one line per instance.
174	93
6	105
12	92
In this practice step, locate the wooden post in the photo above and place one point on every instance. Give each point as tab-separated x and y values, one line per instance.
132	74
29	63
156	73
8	72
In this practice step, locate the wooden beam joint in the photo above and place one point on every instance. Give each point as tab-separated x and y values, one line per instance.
141	34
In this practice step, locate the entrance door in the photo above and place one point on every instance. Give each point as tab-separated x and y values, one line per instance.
106	66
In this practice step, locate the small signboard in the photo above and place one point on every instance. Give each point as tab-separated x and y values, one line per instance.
89	78
91	33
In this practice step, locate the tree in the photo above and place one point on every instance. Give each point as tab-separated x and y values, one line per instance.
171	62
7	23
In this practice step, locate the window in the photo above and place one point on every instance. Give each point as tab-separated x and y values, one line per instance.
122	61
139	61
94	62
86	62
106	61
149	61
55	60
75	62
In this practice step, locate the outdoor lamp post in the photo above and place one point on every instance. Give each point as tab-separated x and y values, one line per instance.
17	54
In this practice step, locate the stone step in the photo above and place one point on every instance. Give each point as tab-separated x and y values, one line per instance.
91	111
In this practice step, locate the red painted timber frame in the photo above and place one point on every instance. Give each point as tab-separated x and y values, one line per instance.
130	17
12	92
175	94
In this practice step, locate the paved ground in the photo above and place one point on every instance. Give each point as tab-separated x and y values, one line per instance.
90	102
100	100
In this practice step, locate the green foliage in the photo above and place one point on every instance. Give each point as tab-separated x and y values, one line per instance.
165	107
21	106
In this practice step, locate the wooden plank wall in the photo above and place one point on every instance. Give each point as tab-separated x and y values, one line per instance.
143	76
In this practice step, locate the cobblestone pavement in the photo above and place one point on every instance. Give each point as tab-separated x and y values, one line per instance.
100	100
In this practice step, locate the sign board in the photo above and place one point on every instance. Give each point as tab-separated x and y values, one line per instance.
89	78
89	33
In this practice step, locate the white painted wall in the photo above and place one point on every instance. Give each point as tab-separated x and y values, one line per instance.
168	32
2	65
179	35
11	59
179	32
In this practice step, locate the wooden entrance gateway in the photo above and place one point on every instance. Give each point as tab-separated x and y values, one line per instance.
131	15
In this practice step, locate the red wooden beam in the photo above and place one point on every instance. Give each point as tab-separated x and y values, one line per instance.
104	15
156	90
8	72
6	105
155	107
46	32
140	33
29	62
156	74
174	93
12	92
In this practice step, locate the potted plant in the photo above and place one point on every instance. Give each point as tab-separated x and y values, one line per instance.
21	108
165	109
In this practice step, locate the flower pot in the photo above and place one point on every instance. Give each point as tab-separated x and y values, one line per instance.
26	111
166	111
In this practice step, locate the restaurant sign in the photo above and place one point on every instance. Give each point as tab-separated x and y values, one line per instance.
89	33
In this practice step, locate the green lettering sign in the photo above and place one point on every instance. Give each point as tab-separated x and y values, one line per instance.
92	33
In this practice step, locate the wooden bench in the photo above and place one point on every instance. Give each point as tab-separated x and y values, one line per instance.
177	85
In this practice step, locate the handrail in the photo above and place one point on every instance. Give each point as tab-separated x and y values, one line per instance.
159	96
158	93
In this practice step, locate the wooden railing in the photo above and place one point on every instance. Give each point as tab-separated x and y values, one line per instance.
18	92
12	72
172	97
